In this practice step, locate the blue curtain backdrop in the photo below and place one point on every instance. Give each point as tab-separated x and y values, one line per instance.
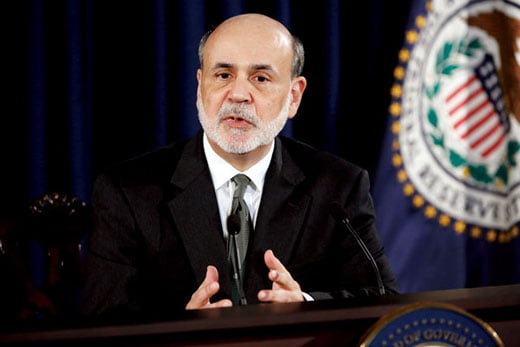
94	82
90	83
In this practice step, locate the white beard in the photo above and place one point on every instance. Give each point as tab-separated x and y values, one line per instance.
240	141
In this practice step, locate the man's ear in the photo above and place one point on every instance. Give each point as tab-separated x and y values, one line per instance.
199	77
298	87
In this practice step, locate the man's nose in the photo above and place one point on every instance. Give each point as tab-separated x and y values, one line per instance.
240	91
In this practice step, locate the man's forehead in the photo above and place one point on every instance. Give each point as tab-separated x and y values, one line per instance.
248	50
253	23
251	33
254	66
251	36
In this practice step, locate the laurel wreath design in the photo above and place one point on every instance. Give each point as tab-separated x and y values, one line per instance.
446	65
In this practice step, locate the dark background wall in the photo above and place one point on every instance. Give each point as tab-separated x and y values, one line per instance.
89	83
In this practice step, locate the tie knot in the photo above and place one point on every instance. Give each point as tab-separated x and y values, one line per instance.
242	181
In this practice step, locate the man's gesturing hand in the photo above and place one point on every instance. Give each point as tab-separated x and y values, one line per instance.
208	288
285	288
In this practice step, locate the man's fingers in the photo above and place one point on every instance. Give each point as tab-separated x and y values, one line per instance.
206	290
280	296
201	297
221	303
272	262
284	280
278	273
266	295
211	275
285	288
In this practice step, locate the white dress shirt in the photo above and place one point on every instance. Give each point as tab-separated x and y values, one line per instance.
222	172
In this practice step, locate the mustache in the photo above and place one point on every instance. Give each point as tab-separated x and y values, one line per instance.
238	110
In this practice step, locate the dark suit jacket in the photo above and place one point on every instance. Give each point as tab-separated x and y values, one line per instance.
157	228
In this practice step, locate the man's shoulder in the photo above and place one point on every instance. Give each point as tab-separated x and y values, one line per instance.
312	159
153	166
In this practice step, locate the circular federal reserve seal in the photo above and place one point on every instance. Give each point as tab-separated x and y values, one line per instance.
457	109
430	325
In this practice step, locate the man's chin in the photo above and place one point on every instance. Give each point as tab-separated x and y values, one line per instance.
236	138
238	142
239	147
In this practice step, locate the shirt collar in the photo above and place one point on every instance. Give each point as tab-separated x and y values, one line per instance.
221	171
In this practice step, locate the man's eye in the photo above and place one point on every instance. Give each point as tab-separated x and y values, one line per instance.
262	79
224	75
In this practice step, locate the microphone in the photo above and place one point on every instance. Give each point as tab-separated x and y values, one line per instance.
341	214
233	226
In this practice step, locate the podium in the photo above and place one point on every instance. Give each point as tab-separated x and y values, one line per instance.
320	323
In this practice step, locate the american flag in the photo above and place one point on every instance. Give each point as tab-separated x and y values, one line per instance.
476	109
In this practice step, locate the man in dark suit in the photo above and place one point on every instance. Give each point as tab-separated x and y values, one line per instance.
161	241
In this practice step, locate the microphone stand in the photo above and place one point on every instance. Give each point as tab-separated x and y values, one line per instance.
341	214
233	223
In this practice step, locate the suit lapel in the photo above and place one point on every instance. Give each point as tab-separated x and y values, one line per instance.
280	218
195	211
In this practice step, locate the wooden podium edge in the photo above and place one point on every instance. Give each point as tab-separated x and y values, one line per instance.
497	304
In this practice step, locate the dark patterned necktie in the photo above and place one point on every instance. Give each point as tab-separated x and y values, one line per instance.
239	208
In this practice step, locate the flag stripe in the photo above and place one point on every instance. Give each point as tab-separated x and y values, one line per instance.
472	113
494	146
475	119
477	125
466	101
485	136
459	89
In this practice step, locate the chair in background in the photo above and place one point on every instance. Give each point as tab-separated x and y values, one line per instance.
13	290
58	223
20	299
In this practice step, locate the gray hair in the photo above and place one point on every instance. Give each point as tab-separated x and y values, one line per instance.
297	46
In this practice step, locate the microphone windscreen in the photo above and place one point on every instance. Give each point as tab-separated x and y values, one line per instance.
233	224
338	211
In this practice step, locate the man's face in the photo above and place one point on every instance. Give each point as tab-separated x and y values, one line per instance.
237	138
246	92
